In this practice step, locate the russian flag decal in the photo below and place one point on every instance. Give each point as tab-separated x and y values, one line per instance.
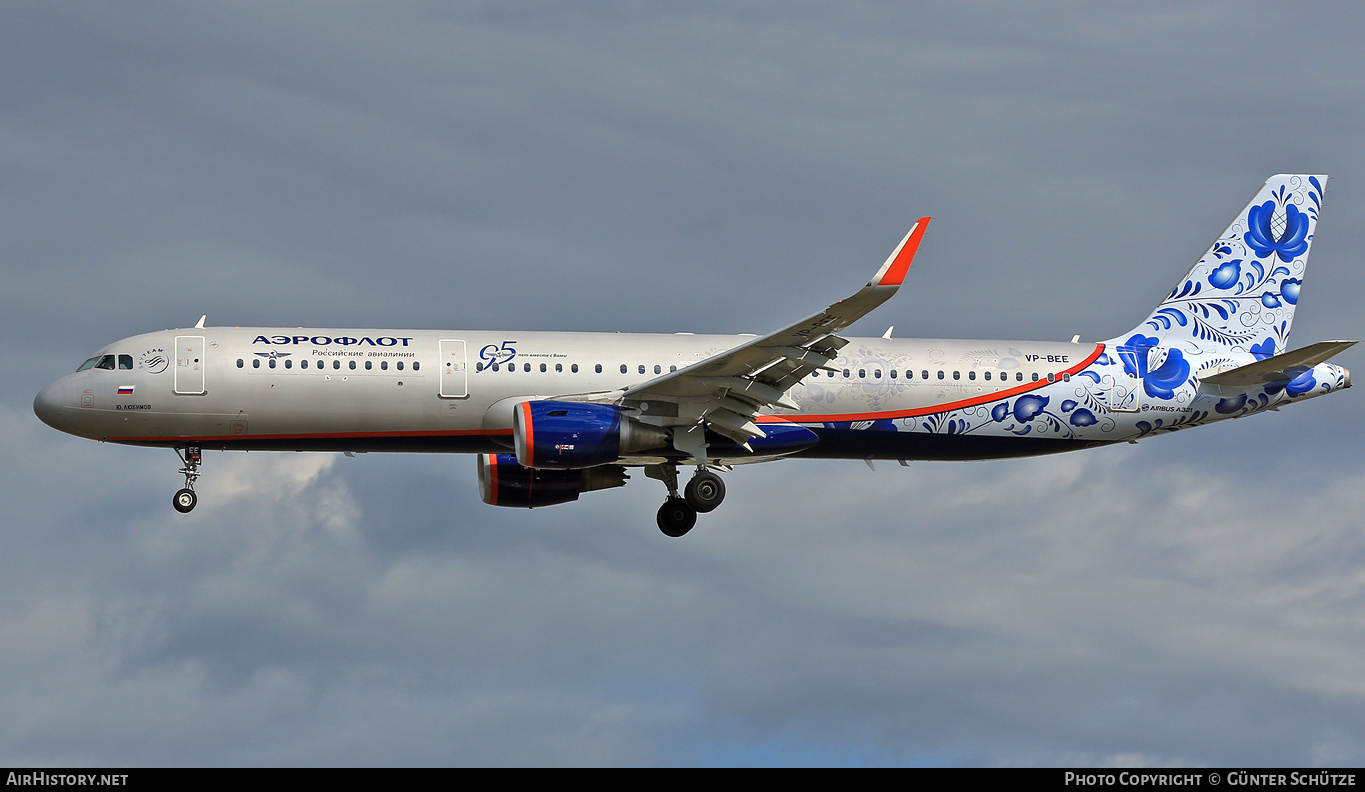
125	390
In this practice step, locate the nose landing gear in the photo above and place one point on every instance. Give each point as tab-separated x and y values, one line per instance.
184	499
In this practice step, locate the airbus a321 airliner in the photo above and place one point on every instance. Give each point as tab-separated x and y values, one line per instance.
553	415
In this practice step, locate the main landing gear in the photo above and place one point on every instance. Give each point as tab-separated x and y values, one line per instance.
703	494
185	499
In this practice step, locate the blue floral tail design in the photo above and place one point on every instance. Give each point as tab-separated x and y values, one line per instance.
1240	297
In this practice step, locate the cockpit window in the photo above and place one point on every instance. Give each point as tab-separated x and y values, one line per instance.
125	362
102	362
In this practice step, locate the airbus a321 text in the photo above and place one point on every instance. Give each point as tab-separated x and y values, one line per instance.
554	415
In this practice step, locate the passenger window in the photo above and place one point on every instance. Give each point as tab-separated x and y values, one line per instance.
272	362
369	364
845	373
957	375
658	369
573	368
125	362
478	367
240	363
289	363
893	373
416	365
623	368
672	369
1051	377
559	367
526	367
336	364
876	373
1035	376
862	373
256	363
1018	376
599	368
303	363
924	375
542	368
383	365
1066	378
940	373
971	375
400	365
642	368
495	367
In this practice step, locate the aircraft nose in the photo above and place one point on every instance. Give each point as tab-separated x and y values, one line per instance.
47	405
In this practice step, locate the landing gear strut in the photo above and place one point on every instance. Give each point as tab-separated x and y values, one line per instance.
676	516
185	499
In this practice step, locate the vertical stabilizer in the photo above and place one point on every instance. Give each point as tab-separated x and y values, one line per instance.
1242	293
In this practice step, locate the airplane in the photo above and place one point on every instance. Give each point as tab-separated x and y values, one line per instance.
553	415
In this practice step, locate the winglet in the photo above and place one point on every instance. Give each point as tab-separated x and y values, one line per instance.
893	271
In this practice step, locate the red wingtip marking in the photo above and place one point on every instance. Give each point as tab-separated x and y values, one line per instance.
895	274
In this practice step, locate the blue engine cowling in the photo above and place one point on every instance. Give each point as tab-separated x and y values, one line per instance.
569	435
503	482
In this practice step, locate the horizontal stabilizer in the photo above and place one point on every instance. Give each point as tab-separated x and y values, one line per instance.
1280	367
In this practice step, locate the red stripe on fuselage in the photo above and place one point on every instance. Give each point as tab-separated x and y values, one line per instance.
315	435
802	418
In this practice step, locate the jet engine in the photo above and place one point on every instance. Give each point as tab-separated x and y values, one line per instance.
502	482
568	435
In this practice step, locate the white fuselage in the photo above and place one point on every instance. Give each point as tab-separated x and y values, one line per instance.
422	390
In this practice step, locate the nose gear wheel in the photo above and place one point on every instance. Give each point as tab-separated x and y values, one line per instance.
185	499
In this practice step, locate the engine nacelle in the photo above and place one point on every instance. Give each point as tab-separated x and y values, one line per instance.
568	435
502	482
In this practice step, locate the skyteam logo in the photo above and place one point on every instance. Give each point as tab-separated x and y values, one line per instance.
154	361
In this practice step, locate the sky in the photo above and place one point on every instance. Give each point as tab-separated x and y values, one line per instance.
1196	599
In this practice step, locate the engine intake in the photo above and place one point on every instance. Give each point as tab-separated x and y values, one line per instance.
503	482
567	435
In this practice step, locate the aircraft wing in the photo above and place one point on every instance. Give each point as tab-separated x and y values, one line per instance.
728	390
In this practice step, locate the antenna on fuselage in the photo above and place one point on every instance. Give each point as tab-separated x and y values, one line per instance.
200	324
